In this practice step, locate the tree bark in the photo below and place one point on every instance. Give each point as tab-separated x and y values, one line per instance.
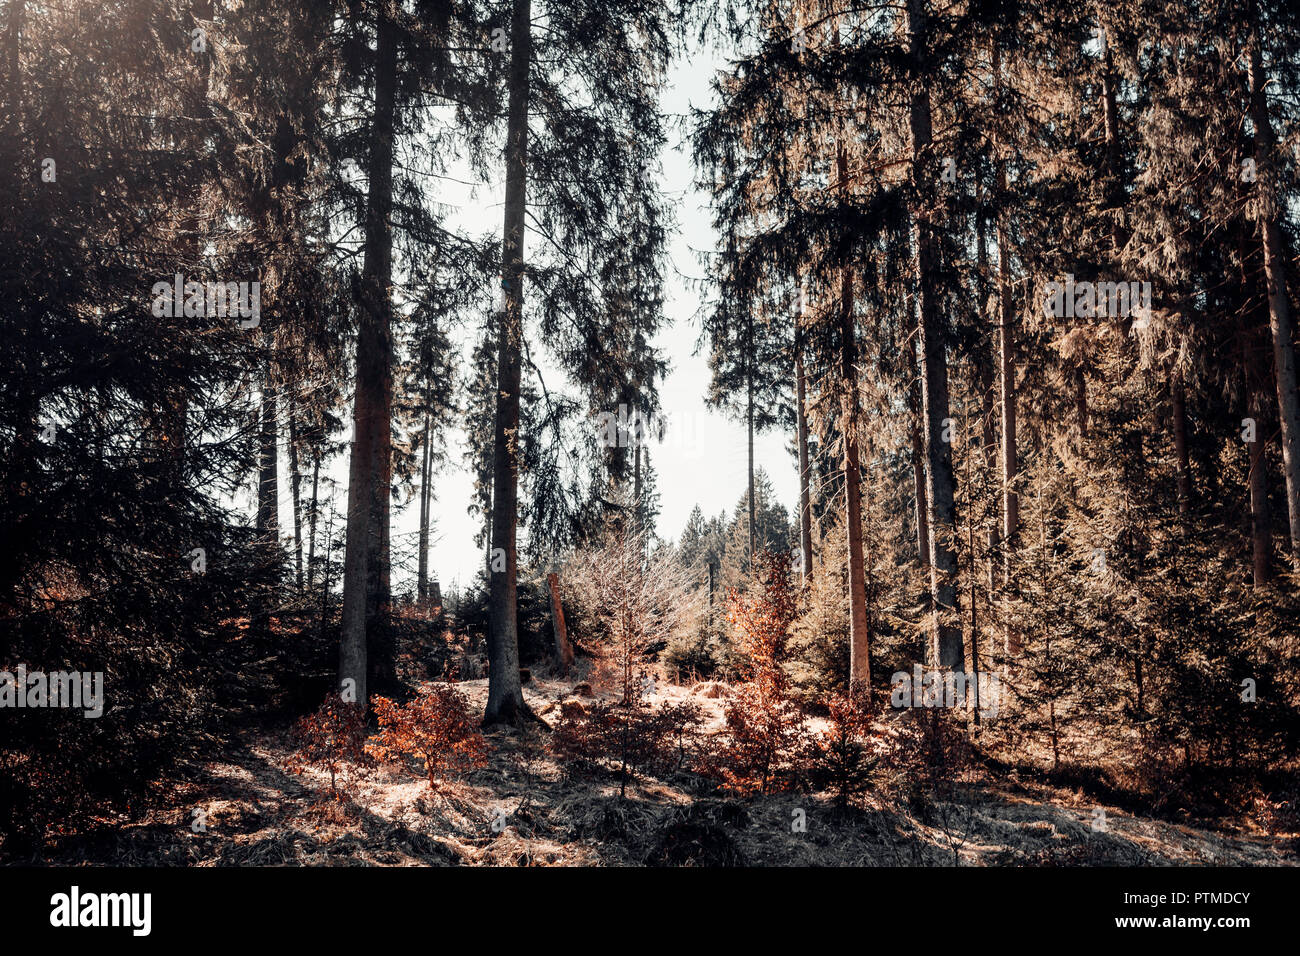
919	499
1261	533
1183	467
946	647
636	482
268	492
175	416
1260	519
1007	393
268	484
422	575
563	649
805	504
364	559
1279	310
505	702
749	406
311	520
295	487
986	361
859	635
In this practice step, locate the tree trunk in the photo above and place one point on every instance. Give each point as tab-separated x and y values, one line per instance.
1279	311
311	521
563	649
368	474
1007	390
805	505
946	648
920	502
175	416
325	576
295	486
505	702
1110	124
268	493
973	576
636	481
859	637
1261	533
1080	402
422	575
987	359
1178	401
749	406
1007	394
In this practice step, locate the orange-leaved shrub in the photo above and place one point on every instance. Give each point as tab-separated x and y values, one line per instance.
639	736
334	739
436	728
760	748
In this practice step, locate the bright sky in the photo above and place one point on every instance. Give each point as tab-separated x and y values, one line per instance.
702	460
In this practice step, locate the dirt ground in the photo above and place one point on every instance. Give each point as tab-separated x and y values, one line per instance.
245	808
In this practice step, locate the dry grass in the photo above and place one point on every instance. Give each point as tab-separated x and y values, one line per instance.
524	809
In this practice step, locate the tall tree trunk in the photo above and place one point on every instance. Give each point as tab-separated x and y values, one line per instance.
268	472
505	703
325	575
422	578
973	577
1260	519
175	416
311	521
1007	397
946	647
859	636
1183	468
749	414
295	485
805	504
919	499
1080	380
15	14
268	491
380	635
636	483
987	359
1261	532
364	560
1007	388
1110	124
1279	310
1007	391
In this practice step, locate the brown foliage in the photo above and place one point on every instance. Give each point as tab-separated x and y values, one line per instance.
436	727
333	738
842	757
765	729
638	735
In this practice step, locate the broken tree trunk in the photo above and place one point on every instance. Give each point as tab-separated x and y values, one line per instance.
563	649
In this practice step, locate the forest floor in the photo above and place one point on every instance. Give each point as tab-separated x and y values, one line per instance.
245	807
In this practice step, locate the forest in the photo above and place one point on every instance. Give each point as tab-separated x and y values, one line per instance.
992	547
